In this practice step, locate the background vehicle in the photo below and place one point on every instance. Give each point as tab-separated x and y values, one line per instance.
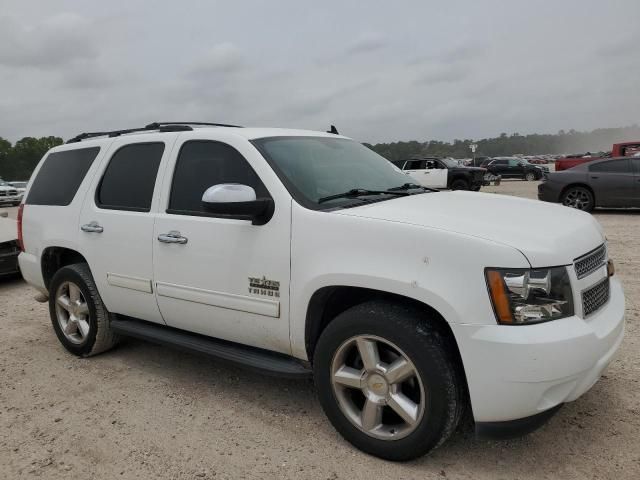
435	172
8	246
20	186
611	182
626	149
513	167
9	194
296	252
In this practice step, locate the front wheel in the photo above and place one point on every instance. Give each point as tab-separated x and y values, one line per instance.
459	185
530	177
579	198
387	380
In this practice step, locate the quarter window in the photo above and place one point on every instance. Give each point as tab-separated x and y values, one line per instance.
612	166
130	177
203	164
60	176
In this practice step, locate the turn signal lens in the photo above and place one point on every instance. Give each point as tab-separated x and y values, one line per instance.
499	296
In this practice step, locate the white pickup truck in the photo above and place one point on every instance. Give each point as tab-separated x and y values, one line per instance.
298	252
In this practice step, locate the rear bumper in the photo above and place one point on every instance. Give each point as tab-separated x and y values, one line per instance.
31	271
515	372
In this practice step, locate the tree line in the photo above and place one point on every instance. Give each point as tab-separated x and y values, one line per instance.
599	140
18	161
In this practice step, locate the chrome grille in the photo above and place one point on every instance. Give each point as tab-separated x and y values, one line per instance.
590	262
595	297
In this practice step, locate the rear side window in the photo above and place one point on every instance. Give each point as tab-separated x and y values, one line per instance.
203	164
612	166
60	177
128	181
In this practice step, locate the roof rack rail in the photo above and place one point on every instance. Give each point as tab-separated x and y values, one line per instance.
160	126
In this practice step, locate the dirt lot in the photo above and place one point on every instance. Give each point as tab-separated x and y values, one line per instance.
143	411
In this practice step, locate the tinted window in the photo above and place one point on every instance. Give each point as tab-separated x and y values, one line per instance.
415	165
60	176
500	162
514	163
613	166
128	182
203	164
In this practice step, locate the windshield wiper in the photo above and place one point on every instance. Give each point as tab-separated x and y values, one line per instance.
360	192
411	186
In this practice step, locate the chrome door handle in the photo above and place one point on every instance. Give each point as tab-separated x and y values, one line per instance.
172	237
92	227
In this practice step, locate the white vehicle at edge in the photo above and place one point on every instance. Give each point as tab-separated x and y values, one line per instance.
9	194
295	251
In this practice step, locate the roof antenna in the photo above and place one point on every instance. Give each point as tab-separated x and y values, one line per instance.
333	130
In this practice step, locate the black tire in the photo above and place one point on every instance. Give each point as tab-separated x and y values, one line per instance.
531	176
430	351
459	184
578	197
100	337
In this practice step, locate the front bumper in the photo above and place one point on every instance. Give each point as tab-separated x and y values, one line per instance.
549	191
10	199
514	372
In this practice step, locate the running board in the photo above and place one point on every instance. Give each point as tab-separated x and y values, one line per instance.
254	358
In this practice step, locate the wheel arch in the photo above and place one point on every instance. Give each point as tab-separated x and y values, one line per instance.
54	258
329	301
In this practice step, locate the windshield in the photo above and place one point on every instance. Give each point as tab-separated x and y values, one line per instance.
314	168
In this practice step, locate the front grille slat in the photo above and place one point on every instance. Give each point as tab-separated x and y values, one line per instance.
595	297
590	262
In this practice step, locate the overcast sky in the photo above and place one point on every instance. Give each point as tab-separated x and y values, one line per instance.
379	70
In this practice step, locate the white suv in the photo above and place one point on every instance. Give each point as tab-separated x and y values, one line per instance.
298	252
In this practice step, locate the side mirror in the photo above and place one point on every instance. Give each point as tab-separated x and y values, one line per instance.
237	201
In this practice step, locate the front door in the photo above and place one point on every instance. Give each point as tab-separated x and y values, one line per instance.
119	219
218	276
427	177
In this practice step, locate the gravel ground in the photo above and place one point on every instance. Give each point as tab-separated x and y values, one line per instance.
143	411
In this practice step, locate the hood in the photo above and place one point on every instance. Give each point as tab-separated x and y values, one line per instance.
547	234
8	230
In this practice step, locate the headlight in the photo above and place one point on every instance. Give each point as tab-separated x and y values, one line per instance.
524	296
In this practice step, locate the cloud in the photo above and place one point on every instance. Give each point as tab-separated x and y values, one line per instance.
367	43
52	42
221	59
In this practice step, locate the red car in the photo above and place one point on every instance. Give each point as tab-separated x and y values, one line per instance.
627	149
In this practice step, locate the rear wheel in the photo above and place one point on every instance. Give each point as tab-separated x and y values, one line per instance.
578	197
459	184
80	319
387	380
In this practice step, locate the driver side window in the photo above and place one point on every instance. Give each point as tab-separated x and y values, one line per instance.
202	164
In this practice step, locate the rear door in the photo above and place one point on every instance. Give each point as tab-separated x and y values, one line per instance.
515	168
116	224
499	167
613	183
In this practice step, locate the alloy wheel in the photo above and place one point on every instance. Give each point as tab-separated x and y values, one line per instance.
72	312
378	388
577	199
